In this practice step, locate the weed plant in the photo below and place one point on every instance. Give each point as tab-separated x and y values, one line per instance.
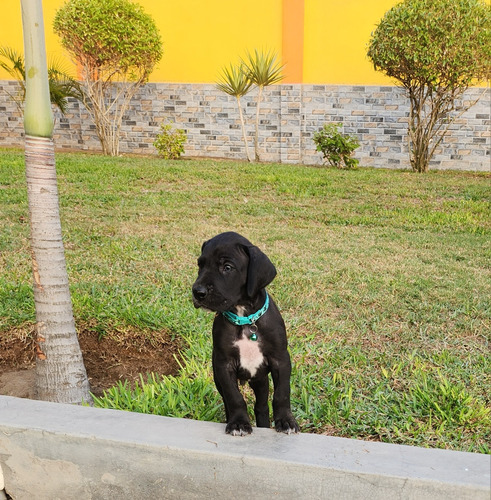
383	281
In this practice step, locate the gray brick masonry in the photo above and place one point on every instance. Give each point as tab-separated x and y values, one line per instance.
290	115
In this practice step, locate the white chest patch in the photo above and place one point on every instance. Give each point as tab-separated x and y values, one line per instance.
251	357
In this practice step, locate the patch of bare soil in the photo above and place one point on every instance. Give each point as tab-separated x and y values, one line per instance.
118	356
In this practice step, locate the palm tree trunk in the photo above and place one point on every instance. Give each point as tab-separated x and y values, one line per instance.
60	372
244	135
256	136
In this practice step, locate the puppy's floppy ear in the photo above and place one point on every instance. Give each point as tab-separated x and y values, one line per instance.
260	272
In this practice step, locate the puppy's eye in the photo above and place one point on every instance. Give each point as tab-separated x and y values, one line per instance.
227	268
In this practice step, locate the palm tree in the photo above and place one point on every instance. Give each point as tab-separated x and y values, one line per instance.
263	70
234	82
61	84
60	371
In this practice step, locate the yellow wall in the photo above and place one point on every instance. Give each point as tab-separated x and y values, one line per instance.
336	36
11	27
201	36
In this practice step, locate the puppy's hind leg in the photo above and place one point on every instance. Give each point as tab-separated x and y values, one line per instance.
261	409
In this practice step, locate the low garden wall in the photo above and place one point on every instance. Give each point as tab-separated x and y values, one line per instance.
290	115
50	450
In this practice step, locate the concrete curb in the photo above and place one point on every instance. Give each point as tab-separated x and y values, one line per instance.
55	451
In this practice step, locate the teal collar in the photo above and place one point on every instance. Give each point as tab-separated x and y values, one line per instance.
247	320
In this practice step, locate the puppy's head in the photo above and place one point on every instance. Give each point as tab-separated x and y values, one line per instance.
232	271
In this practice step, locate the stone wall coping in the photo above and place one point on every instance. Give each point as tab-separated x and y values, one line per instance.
50	449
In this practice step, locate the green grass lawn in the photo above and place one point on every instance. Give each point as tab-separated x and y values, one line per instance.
384	282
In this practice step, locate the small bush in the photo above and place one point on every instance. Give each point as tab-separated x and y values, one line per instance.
116	45
170	142
435	50
336	148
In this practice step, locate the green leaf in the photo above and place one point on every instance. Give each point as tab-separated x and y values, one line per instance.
234	81
262	68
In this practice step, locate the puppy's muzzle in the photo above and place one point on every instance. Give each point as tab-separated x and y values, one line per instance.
200	292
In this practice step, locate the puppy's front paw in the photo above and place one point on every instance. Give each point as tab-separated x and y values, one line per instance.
286	424
238	428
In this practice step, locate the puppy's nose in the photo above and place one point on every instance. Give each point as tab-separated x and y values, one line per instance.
200	292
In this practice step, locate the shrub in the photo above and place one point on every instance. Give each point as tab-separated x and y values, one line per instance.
435	49
336	148
170	142
116	45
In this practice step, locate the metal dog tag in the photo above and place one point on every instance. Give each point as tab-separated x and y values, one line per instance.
253	330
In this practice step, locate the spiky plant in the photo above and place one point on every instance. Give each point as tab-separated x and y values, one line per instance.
61	84
235	82
262	70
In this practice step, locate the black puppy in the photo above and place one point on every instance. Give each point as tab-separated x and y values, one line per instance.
249	336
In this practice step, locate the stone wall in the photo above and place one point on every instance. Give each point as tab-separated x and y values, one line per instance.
290	114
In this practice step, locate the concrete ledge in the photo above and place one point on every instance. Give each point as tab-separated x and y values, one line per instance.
51	451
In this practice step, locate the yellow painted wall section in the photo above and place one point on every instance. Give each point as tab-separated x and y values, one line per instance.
336	39
325	40
11	31
200	37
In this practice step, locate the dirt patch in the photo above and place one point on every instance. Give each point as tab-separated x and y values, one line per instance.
119	355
